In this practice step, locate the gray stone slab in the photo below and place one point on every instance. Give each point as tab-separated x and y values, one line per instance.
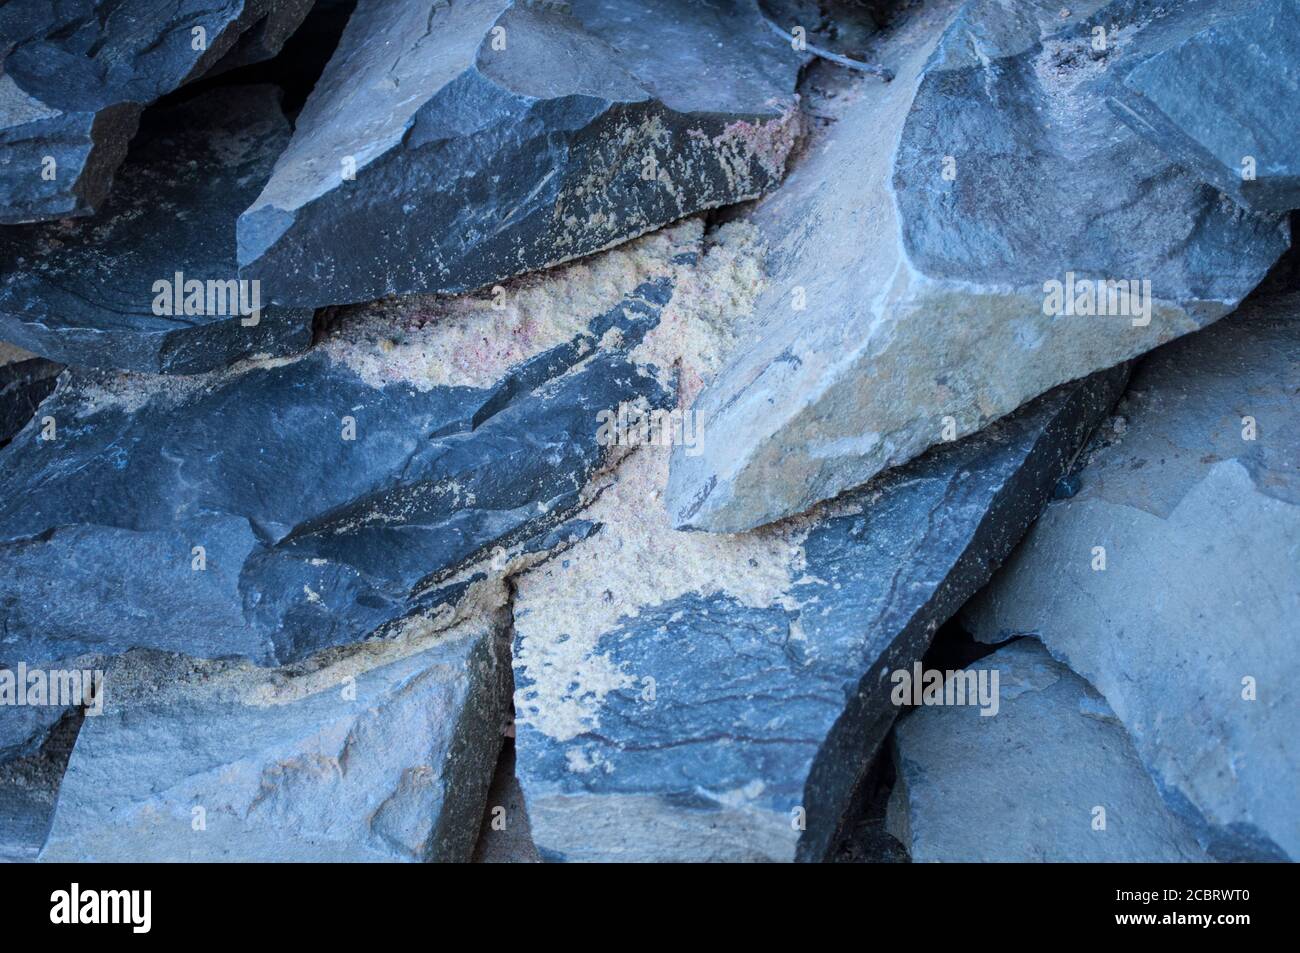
448	146
1189	630
352	761
1048	775
912	251
87	293
1225	102
76	74
693	696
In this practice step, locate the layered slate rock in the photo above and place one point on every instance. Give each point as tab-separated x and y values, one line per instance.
151	283
1189	630
368	758
285	506
75	76
448	146
691	696
1224	102
914	254
1048	776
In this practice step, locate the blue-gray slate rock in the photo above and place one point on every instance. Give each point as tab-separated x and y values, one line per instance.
1224	101
285	506
87	292
375	756
963	239
1047	775
695	696
76	74
1171	579
448	146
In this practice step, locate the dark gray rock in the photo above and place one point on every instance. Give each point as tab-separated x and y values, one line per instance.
505	836
920	237
29	787
1189	631
368	758
23	728
692	696
25	381
332	496
84	291
76	74
1049	776
1224	101
493	137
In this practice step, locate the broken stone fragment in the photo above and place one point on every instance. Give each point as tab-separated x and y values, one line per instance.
691	696
1224	102
76	74
284	506
1048	775
448	146
376	755
25	381
1170	579
151	283
943	255
29	787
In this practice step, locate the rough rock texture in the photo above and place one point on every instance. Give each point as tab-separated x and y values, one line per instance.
420	448
29	787
493	137
75	75
1224	102
1023	785
25	381
23	728
923	281
82	291
691	696
349	762
505	836
1201	586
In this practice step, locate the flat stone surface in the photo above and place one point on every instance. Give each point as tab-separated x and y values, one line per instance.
1197	603
1225	102
76	74
448	146
83	291
421	449
692	696
919	237
352	761
1025	784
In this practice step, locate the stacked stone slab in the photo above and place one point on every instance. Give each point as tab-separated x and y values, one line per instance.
1170	579
76	74
1045	775
915	256
702	697
150	283
448	146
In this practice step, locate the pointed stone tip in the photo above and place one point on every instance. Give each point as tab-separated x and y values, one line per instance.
257	230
